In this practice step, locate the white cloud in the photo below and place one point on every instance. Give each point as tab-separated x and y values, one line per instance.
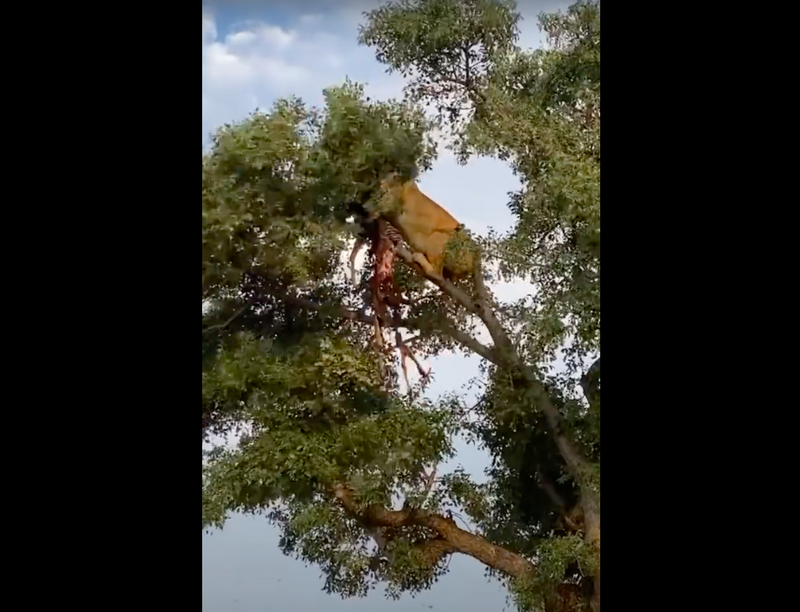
245	68
311	19
209	28
258	62
240	38
275	37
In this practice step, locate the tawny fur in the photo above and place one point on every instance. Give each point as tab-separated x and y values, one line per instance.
427	228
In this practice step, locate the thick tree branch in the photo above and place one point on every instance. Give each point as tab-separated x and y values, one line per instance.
464	339
447	287
450	538
504	349
590	382
577	464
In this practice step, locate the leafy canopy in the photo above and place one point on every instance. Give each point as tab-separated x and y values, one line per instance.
287	359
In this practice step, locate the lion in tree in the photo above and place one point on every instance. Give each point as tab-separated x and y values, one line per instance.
407	214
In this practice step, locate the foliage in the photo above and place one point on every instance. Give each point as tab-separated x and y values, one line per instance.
447	45
287	359
539	110
557	557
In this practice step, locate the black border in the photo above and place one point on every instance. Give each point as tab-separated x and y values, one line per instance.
674	139
129	114
132	116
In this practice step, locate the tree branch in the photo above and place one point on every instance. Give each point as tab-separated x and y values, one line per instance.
465	340
448	328
480	308
211	328
450	538
550	490
506	351
429	479
339	312
590	382
446	286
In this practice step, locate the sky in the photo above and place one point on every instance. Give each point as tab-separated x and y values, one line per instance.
255	52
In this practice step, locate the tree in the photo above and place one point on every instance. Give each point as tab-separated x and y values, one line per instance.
328	445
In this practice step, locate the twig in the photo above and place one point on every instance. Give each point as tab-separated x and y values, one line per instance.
226	323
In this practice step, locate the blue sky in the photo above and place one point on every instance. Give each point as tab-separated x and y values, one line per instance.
255	52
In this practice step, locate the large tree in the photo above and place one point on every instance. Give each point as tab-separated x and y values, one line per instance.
343	458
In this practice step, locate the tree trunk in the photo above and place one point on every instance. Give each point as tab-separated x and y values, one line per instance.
591	509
